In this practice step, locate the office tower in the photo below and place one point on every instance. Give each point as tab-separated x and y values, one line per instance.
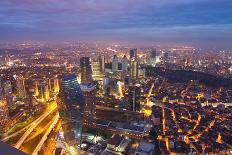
101	60
56	85
115	63
3	109
152	58
8	93
90	101
133	54
20	84
134	98
125	63
36	87
86	70
49	85
133	64
133	69
44	94
71	107
96	71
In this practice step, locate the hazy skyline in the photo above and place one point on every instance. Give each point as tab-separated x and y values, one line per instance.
203	23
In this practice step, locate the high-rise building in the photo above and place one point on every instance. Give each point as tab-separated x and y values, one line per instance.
125	63
36	88
101	60
90	101
133	64
134	98
96	71
8	93
115	63
3	111
71	108
21	91
152	58
56	85
49	84
44	93
133	53
86	70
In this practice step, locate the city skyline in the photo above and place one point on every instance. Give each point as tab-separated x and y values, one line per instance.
121	77
204	24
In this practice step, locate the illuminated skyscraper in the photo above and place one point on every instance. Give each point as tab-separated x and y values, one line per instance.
36	85
56	85
3	107
96	71
86	70
21	91
8	93
71	108
49	85
125	63
44	94
133	53
101	60
134	98
90	101
133	64
115	63
152	58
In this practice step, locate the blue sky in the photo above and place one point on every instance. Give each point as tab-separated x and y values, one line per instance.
198	22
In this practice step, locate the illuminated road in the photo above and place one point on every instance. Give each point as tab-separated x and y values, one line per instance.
44	138
174	119
33	126
16	133
149	95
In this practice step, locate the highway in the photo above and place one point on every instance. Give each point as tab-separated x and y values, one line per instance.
149	95
44	138
33	126
16	133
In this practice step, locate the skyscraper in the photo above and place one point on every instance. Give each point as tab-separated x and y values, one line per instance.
134	98
133	64
133	53
56	85
101	60
8	93
90	101
86	70
97	75
44	93
152	58
125	63
115	63
21	91
71	108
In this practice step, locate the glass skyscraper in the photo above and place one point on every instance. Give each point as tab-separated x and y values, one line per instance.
86	70
71	109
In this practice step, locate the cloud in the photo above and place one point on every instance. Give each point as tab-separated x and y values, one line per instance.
76	19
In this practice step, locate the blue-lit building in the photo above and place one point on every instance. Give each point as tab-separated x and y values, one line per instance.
71	108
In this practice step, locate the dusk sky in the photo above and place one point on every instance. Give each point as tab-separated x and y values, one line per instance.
196	22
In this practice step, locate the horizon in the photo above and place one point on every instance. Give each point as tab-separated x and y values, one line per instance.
202	24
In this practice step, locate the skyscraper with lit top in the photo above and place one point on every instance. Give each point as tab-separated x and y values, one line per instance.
133	64
71	109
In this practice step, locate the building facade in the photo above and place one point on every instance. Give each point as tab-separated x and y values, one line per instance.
71	108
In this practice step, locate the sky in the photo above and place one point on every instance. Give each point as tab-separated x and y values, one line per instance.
203	23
